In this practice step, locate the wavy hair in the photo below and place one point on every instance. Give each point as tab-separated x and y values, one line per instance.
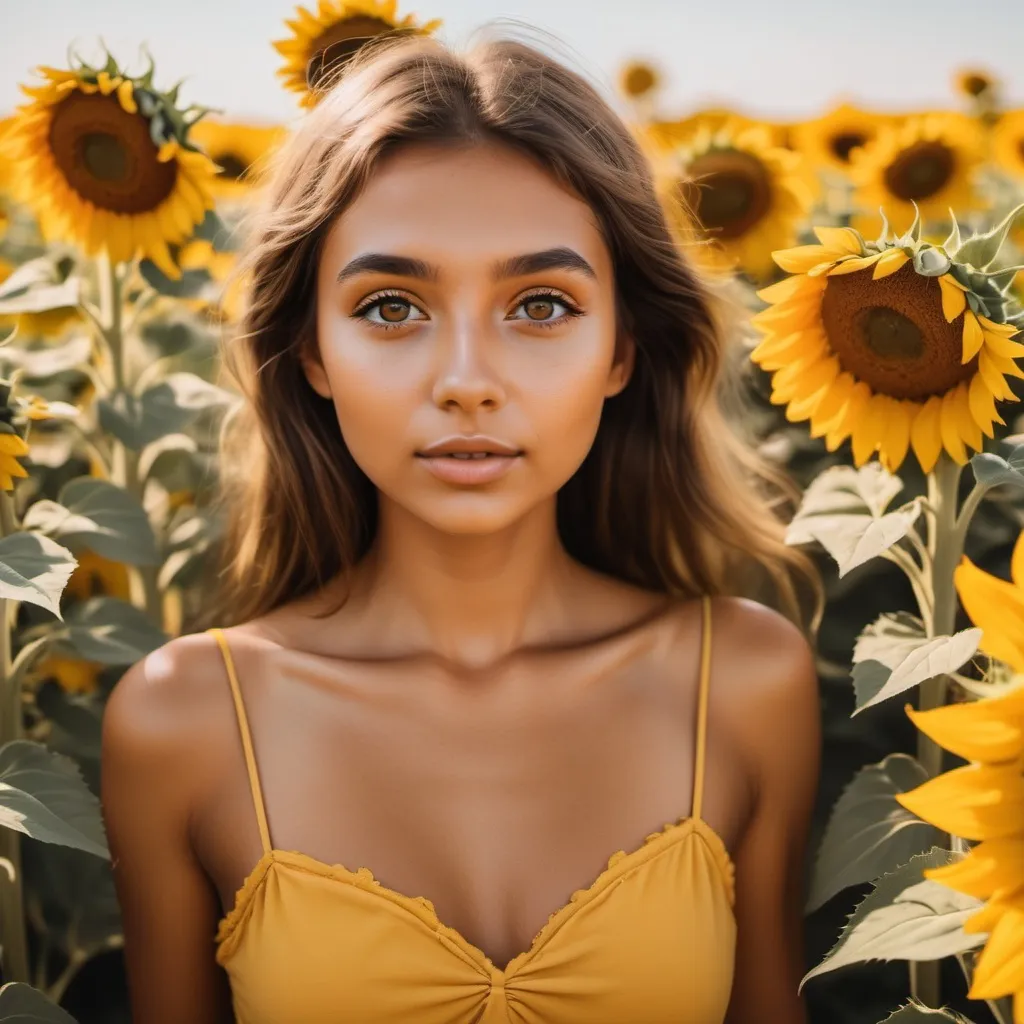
670	497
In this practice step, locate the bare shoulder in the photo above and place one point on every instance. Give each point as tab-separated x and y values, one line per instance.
766	679
165	718
768	655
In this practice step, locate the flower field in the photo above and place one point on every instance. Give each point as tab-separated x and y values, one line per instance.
876	265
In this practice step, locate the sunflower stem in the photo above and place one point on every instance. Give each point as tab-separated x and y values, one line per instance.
945	546
13	938
144	591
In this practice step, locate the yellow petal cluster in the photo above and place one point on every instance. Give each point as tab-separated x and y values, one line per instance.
984	801
342	25
865	348
829	141
734	191
1008	142
12	446
929	160
240	152
87	166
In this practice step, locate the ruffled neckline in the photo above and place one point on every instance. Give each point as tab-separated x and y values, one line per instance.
619	863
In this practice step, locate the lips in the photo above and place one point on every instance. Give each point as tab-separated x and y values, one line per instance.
471	446
465	460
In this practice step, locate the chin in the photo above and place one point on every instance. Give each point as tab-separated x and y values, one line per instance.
470	514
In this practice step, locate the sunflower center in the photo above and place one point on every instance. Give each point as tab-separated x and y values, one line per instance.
844	143
975	85
892	334
104	156
920	170
232	166
107	156
336	46
729	192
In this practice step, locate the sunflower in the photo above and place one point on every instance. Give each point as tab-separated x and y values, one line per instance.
926	163
340	26
737	193
984	801
662	136
892	343
1008	142
973	82
239	150
638	78
829	141
105	161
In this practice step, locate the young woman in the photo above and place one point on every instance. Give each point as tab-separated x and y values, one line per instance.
492	733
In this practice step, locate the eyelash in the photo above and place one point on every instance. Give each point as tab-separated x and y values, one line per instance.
572	310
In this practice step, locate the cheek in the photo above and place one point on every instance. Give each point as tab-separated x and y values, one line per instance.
564	403
375	393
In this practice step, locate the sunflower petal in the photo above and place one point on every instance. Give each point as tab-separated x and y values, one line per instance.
954	302
988	731
802	258
982	404
999	969
889	262
997	607
973	337
974	802
925	434
840	240
854	263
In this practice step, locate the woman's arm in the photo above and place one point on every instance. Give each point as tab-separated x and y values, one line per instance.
150	771
777	728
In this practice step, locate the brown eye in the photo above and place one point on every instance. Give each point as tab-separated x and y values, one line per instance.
539	308
390	311
394	311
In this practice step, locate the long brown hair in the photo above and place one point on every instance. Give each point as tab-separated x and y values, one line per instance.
670	497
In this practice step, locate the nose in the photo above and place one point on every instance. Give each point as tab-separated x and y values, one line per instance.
465	379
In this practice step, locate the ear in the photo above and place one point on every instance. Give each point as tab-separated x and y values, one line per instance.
313	368
622	368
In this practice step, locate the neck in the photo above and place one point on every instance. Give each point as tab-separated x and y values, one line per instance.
469	599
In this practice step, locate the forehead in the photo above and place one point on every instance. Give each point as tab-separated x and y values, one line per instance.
464	204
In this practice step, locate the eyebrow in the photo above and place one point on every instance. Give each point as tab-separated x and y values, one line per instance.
559	258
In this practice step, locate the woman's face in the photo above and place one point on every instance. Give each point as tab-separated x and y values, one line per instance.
467	335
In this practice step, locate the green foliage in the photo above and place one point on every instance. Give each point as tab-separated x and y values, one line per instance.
43	795
905	917
869	834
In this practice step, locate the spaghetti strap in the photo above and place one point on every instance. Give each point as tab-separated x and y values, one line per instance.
702	706
243	725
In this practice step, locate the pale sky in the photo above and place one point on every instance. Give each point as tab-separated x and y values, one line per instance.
787	59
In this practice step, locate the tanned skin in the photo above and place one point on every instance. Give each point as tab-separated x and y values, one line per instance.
485	720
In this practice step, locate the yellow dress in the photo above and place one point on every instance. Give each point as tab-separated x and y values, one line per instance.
650	941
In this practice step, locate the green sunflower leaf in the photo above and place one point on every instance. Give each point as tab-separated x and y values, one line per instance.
165	408
981	250
109	631
21	1002
889	662
43	795
844	510
98	515
34	569
38	286
868	832
905	917
918	1013
992	470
